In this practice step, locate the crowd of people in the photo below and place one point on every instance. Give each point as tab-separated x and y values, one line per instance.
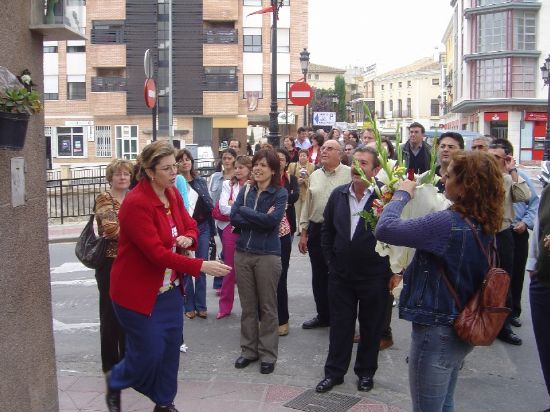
161	231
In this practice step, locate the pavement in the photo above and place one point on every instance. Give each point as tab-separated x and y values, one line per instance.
496	378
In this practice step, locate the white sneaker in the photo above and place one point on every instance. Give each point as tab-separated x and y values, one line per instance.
183	348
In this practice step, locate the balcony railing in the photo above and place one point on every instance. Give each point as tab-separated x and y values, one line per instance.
229	36
221	83
59	19
109	84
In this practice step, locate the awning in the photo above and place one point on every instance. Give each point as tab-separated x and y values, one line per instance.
238	122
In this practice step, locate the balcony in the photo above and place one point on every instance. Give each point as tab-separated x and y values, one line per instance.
220	10
220	103
58	19
108	104
107	55
216	54
502	5
109	84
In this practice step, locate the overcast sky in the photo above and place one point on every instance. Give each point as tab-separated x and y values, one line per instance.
390	33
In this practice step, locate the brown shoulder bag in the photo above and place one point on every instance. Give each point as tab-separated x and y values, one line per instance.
480	321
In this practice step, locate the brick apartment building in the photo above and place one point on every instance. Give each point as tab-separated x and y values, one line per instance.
93	88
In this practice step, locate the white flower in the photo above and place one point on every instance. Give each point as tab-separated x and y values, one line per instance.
26	79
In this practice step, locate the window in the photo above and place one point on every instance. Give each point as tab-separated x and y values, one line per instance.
435	82
107	31
400	84
220	33
391	86
409	83
76	49
390	105
309	76
70	141
252	2
524	31
51	87
252	40
399	108
409	108
381	87
491	32
434	107
221	78
382	115
316	77
283	40
50	49
282	79
252	83
103	145
524	71
76	87
126	142
490	78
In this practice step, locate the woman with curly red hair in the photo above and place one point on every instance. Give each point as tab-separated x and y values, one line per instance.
474	184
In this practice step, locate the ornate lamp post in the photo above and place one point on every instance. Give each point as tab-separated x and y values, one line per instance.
274	137
545	69
304	63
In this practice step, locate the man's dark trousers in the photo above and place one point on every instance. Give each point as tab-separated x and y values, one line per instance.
319	272
521	250
345	296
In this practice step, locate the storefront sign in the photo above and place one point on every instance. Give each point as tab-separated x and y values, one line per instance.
536	116
496	116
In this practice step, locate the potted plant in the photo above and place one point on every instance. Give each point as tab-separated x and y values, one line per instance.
17	103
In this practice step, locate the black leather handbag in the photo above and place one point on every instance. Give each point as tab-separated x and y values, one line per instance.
90	249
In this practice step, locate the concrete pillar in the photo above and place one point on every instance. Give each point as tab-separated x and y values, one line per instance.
28	379
514	131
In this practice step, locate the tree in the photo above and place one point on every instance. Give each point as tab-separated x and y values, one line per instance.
251	138
340	88
322	100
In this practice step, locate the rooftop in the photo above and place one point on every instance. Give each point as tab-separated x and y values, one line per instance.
319	68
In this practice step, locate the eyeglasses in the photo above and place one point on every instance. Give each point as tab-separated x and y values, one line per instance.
169	168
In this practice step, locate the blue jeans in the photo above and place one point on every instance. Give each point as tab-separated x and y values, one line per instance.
436	356
195	288
539	296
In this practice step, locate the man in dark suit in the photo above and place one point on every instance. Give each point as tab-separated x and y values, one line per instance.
358	278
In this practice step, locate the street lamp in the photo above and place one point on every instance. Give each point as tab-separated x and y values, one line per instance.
304	63
545	69
274	137
335	102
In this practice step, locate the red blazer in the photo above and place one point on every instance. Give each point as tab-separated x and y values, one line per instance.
145	247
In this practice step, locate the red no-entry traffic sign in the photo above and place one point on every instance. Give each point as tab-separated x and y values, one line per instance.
150	93
300	93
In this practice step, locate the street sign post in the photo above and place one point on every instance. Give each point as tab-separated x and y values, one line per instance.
300	93
150	89
324	118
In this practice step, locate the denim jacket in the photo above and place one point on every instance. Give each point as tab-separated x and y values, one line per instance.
259	230
425	298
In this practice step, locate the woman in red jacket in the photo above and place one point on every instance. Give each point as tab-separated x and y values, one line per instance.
145	282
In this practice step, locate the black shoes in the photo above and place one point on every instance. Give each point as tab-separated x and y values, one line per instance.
169	408
243	362
267	368
327	384
506	335
314	323
112	398
514	321
365	383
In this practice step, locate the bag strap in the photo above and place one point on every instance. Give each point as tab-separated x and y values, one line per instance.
113	203
490	252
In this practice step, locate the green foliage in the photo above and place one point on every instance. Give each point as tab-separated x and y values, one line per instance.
20	100
340	89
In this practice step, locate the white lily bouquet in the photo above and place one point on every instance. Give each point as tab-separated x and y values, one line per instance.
426	197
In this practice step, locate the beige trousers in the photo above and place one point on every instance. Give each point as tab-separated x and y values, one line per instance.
257	280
